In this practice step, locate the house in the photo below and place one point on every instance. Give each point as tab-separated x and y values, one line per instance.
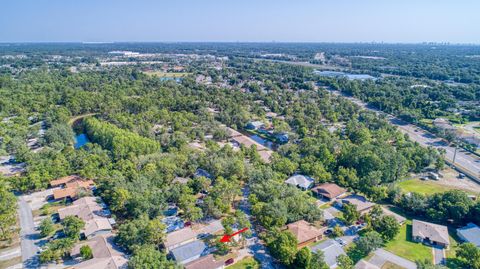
331	251
363	264
362	204
254	125
179	238
305	232
105	254
429	233
329	191
73	186
399	218
247	142
265	155
212	228
282	138
180	180
96	227
59	182
207	262
300	181
189	252
470	233
202	173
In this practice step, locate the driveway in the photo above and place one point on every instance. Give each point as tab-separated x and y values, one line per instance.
438	255
28	234
382	256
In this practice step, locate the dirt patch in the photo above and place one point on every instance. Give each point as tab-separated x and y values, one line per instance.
450	179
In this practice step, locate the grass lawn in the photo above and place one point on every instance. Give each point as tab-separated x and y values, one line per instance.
403	246
423	186
452	261
247	263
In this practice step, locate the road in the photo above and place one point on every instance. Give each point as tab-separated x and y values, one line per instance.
254	244
465	161
27	235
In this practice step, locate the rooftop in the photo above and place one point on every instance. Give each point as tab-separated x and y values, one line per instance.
329	190
434	232
331	250
304	231
207	262
188	251
470	233
300	181
179	236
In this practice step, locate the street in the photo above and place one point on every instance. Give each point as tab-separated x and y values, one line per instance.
465	161
27	234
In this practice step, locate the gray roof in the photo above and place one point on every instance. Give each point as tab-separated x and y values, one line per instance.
331	250
300	181
470	233
189	251
435	232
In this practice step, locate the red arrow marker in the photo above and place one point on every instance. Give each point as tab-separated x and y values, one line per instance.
226	238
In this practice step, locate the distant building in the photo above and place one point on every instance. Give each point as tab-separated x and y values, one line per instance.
331	251
300	181
470	233
282	138
429	233
254	125
189	252
202	173
105	254
329	191
305	232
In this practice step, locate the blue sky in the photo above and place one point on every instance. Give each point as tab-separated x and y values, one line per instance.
456	21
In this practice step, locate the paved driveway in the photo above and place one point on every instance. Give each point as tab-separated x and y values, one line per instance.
439	255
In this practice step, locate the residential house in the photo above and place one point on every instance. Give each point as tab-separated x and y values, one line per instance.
72	188
331	251
362	204
282	138
189	252
470	233
105	254
207	262
60	182
305	232
329	191
255	125
202	173
429	233
180	237
300	181
212	228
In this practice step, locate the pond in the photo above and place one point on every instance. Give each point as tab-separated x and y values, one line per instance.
80	140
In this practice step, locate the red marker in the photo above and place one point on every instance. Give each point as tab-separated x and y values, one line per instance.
226	238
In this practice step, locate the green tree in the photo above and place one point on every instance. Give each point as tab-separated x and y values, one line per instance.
46	227
303	258
369	242
337	231
72	226
318	261
7	212
470	254
344	262
350	213
284	247
148	257
387	226
86	252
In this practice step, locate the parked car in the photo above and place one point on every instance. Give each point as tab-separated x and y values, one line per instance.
229	261
341	242
328	232
461	175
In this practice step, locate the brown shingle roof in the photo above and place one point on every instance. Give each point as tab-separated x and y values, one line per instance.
207	262
329	190
304	231
179	236
63	180
64	193
105	256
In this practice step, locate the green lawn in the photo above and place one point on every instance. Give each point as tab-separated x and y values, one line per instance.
247	263
403	246
423	186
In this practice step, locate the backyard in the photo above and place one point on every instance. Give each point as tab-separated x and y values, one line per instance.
247	263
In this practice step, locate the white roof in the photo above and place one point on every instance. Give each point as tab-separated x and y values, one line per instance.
331	251
300	181
470	233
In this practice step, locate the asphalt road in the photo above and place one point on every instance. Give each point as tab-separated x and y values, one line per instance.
27	234
464	160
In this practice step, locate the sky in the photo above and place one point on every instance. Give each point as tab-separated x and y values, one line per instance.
392	21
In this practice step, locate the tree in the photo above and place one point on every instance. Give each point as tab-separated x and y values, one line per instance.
350	213
148	257
86	252
344	262
72	226
141	231
46	227
318	261
369	242
303	258
337	231
470	254
284	247
427	264
387	226
7	211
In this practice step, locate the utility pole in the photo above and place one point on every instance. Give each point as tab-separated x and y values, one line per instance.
455	153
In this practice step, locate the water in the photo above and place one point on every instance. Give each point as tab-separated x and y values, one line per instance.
178	80
80	140
343	74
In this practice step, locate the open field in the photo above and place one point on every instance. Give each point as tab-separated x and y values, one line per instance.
423	186
247	263
403	246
